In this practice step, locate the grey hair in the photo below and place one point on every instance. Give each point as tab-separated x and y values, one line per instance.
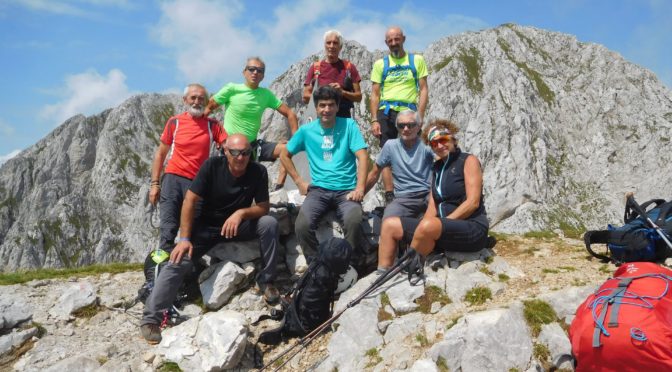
407	112
334	32
255	58
194	85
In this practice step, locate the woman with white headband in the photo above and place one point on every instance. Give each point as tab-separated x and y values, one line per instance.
455	219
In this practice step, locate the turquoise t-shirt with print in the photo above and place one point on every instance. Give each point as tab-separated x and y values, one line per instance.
330	152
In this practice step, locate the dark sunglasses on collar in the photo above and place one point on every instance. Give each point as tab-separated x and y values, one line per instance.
410	125
244	152
255	69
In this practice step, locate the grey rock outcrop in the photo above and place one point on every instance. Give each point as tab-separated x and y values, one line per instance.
212	342
73	298
218	282
494	340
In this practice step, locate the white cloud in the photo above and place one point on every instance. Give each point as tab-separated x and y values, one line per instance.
6	129
87	93
210	40
4	158
205	40
70	7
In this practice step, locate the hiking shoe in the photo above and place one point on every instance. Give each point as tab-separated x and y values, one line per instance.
277	186
270	293
492	241
151	333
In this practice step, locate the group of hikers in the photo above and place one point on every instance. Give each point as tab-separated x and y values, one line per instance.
433	190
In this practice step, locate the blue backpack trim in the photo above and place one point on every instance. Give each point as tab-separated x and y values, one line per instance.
386	71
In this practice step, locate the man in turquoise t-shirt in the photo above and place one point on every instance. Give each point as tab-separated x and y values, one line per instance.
338	162
399	89
245	104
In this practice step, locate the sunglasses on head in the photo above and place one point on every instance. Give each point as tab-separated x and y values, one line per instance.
443	140
410	125
244	152
255	69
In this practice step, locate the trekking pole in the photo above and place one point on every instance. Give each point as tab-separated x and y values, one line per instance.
630	199
304	341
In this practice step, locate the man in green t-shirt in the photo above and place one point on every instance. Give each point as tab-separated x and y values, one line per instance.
245	104
399	82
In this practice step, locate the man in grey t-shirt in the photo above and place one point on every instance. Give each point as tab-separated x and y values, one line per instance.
411	163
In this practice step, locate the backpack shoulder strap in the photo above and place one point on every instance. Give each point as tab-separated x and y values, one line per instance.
316	69
386	69
348	68
172	144
411	63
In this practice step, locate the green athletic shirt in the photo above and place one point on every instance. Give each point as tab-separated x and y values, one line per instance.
399	87
244	107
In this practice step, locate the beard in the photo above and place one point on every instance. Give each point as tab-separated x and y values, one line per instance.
396	52
196	110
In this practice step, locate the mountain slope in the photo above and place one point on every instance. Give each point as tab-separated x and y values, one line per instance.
562	128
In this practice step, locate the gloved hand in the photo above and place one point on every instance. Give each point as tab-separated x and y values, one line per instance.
416	263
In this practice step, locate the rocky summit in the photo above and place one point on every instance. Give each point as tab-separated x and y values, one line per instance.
562	128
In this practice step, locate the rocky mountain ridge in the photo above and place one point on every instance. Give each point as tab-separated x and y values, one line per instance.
562	129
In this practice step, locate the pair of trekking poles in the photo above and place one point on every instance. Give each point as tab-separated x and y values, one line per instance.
405	261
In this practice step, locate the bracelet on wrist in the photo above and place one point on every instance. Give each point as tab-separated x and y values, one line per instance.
183	239
374	121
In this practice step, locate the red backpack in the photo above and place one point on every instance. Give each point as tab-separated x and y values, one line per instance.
626	325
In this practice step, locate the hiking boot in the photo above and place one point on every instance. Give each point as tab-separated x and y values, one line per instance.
270	293
277	187
151	333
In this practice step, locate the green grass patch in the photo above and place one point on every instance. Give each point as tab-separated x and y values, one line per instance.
541	352
169	367
432	294
503	277
442	365
444	62
550	271
499	236
488	260
485	271
374	357
471	59
19	277
538	313
605	269
478	295
384	315
567	268
41	331
422	339
384	299
530	251
88	312
541	234
579	282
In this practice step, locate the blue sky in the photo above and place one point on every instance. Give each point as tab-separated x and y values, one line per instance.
63	57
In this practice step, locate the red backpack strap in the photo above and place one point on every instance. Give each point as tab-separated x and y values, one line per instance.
316	69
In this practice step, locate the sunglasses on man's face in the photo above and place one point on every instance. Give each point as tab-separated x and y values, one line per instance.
443	140
254	69
244	152
411	125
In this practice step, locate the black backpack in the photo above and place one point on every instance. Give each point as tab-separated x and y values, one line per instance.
635	240
311	299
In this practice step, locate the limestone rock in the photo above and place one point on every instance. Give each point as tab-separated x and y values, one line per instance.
238	252
218	282
15	339
211	342
494	340
557	341
424	365
73	298
77	363
13	311
567	300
